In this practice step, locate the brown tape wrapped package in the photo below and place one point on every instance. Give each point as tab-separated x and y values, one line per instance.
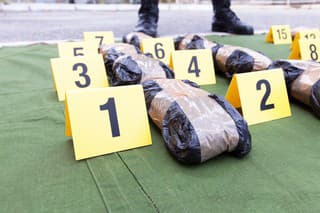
111	52
135	38
303	81
227	59
137	68
196	126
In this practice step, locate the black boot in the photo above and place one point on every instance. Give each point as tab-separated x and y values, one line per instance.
148	17
225	20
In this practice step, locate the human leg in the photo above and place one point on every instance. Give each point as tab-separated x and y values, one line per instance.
148	17
225	20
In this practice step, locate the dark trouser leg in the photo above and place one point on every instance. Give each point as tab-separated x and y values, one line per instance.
225	20
148	17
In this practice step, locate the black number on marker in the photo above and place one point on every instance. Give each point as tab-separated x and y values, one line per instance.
113	118
84	69
75	51
159	51
100	39
311	35
263	105
282	33
194	63
313	52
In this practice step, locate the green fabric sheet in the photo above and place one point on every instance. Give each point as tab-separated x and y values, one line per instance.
39	172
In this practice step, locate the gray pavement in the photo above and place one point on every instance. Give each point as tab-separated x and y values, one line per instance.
64	22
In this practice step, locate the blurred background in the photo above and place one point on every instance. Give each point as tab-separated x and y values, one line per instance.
272	2
29	21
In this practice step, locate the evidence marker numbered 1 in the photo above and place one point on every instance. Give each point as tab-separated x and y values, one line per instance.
100	121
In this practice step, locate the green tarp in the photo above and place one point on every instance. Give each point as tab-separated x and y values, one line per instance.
39	172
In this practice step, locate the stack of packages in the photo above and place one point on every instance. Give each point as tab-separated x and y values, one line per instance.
196	126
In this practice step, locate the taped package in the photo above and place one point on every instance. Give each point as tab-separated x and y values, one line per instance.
303	81
196	125
192	41
227	59
137	68
111	52
135	38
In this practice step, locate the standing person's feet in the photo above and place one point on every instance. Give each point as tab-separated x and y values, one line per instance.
147	24
148	17
225	20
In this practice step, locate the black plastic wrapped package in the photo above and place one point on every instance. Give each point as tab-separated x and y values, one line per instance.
303	81
193	41
111	52
196	125
135	69
135	38
232	59
227	59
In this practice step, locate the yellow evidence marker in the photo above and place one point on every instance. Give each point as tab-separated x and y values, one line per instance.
100	121
306	50
194	65
72	49
262	95
305	34
279	34
100	37
160	48
78	73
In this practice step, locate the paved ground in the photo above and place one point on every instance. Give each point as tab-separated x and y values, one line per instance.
63	23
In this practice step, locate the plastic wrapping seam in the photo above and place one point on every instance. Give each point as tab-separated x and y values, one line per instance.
244	144
180	137
177	41
239	62
109	60
214	51
191	83
150	89
315	98
169	73
196	43
135	41
125	72
148	55
290	71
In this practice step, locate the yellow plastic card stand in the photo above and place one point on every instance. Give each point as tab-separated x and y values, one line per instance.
71	49
307	49
194	65
262	96
78	73
295	52
101	122
160	48
310	49
279	34
100	37
305	34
